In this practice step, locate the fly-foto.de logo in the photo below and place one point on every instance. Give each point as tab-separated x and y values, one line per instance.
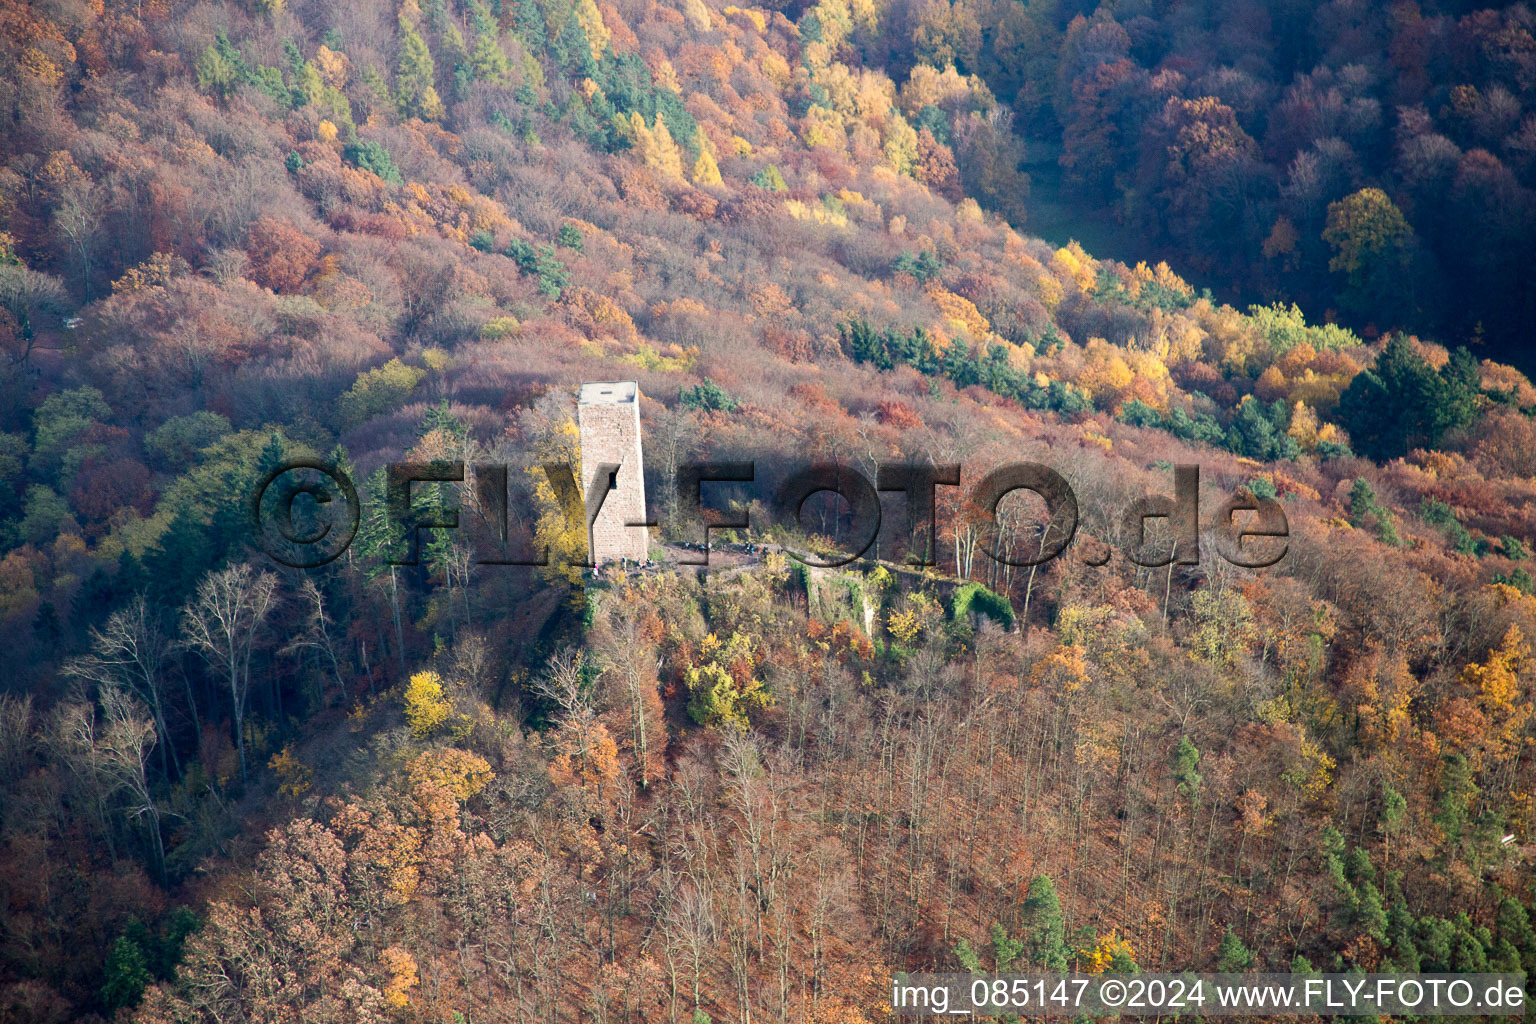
306	513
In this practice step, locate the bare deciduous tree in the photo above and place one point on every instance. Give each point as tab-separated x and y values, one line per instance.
17	736
564	682
131	650
672	440
125	742
316	635
24	294
627	655
689	927
222	624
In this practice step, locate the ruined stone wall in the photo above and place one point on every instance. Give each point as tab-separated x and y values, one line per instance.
610	433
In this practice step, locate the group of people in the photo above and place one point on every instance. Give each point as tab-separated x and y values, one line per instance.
626	564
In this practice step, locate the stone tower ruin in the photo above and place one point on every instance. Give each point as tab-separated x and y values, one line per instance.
609	416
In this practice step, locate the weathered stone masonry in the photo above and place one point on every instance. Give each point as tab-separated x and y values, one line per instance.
609	416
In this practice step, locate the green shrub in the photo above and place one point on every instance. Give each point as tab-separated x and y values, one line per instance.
541	263
922	266
708	396
1261	487
770	178
1363	507
973	597
1139	414
1438	513
378	391
1519	579
374	158
177	442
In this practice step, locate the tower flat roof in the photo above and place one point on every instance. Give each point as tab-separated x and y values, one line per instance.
617	392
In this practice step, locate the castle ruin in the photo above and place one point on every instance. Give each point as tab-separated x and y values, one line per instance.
609	416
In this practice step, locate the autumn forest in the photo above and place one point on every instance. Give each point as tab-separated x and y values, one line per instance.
413	785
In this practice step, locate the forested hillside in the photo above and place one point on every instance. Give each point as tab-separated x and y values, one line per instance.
1369	159
238	234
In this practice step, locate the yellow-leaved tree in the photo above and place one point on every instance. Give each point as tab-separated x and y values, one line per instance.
656	147
723	685
900	143
426	705
591	21
460	772
1110	952
1372	245
403	974
294	777
705	170
1063	672
1496	683
560	524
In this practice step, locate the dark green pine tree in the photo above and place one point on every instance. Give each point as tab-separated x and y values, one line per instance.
47	626
1185	765
1403	403
435	501
571	51
1434	936
528	24
486	56
131	577
380	529
1232	957
379	542
1370	916
862	343
960	367
1513	924
126	975
1044	925
439	417
1464	382
1457	791
341	462
162	949
273	454
1470	945
230	529
94	598
1259	431
1362	501
1004	950
1403	951
969	959
415	76
178	559
1505	958
227	512
1363	508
